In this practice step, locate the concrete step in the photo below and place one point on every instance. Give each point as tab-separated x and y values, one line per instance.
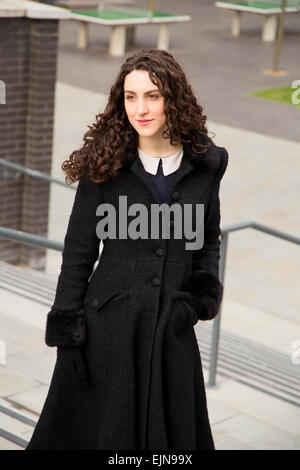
16	426
253	364
29	283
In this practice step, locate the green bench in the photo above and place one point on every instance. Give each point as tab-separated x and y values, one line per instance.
270	10
122	22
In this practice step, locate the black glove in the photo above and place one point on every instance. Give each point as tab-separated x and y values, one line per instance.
71	364
204	294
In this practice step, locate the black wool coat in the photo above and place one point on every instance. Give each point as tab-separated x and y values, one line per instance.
133	318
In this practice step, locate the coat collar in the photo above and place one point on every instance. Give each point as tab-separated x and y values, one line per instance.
191	161
204	161
169	164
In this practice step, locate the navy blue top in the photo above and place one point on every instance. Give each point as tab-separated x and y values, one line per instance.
163	183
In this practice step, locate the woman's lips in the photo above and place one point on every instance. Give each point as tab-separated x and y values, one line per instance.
144	122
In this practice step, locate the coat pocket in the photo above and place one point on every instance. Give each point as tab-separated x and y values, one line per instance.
180	319
97	303
183	298
191	312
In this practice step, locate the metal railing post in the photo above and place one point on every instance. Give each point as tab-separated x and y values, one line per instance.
217	321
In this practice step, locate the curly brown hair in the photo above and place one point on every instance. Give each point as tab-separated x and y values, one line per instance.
100	157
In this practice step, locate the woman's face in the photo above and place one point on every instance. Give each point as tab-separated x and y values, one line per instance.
143	101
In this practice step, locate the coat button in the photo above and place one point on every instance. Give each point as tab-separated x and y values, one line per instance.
159	251
175	196
156	281
95	302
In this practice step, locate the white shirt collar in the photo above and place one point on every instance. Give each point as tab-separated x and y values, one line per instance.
169	164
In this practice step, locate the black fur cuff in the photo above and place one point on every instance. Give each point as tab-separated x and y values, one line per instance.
207	293
65	327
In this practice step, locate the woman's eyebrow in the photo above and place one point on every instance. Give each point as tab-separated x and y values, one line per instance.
146	93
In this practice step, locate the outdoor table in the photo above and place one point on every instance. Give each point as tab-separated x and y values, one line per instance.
122	22
269	9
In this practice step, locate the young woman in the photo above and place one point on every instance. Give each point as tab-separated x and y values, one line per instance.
128	373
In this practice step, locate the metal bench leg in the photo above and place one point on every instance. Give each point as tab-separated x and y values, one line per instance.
163	37
117	41
270	28
82	35
236	24
130	35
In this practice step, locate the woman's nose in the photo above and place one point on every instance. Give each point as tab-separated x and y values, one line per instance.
141	107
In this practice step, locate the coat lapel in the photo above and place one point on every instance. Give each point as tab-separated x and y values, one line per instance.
190	162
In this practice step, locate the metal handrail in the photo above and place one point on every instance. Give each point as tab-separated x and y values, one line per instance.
30	239
222	266
35	173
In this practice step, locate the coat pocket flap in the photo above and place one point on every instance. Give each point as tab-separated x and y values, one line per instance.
101	301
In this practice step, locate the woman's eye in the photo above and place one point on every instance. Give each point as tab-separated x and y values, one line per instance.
151	96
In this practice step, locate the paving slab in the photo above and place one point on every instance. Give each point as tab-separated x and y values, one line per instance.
12	381
33	399
257	434
38	364
262	327
14	426
232	444
218	412
239	398
7	445
13	407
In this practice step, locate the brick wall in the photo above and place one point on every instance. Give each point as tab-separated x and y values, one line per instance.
28	50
